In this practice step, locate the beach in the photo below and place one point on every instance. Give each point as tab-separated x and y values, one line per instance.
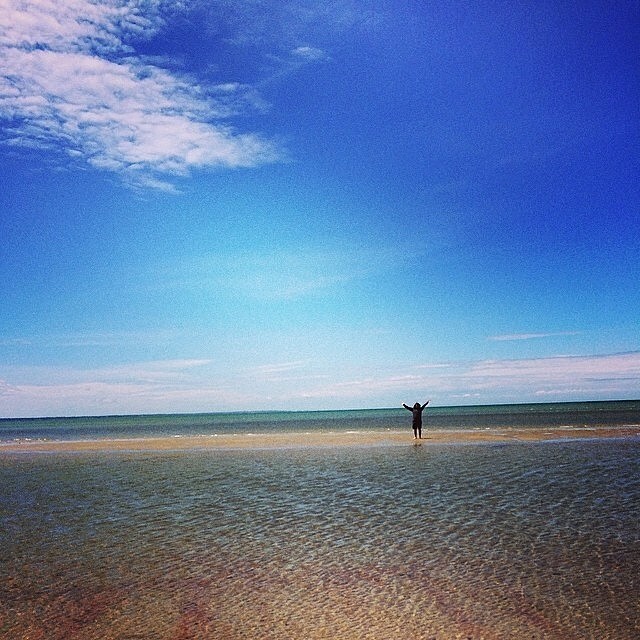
317	439
313	529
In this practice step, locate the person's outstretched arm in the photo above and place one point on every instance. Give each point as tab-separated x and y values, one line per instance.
407	408
425	404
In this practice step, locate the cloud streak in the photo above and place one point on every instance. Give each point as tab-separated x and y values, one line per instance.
558	378
530	336
285	274
143	387
310	54
70	80
191	385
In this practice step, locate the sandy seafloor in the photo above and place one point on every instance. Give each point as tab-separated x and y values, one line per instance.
484	535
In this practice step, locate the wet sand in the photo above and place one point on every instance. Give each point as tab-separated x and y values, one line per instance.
318	439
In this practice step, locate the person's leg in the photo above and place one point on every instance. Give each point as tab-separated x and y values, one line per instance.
420	433
415	432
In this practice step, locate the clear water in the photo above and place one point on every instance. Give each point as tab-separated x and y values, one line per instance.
573	414
514	541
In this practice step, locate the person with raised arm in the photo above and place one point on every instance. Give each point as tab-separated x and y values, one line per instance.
417	410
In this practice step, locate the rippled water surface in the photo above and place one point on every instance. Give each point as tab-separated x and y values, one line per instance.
535	541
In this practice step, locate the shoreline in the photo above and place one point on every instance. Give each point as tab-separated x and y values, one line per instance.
294	440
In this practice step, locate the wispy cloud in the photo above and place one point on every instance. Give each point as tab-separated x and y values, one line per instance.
277	369
204	385
531	336
282	24
158	371
309	53
93	339
71	80
139	387
285	274
136	372
104	398
620	365
591	377
488	381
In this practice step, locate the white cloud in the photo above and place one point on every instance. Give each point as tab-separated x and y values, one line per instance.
560	368
202	385
142	387
285	274
83	339
155	371
531	336
276	369
310	53
137	372
485	382
105	398
69	80
565	377
287	22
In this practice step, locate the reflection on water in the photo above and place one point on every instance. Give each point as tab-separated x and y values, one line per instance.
536	541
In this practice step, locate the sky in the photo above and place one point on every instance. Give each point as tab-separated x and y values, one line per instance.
215	205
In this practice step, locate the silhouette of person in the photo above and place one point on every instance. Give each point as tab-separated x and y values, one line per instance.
416	410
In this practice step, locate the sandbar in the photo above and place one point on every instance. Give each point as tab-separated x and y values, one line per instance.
287	440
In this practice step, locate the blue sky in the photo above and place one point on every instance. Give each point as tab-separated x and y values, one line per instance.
219	205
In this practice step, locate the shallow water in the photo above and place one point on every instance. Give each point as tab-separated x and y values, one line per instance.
536	541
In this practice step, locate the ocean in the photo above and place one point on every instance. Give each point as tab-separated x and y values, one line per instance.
480	541
568	415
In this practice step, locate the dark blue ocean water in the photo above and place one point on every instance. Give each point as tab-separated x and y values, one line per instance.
573	414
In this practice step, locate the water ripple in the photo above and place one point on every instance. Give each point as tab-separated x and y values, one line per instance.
525	541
